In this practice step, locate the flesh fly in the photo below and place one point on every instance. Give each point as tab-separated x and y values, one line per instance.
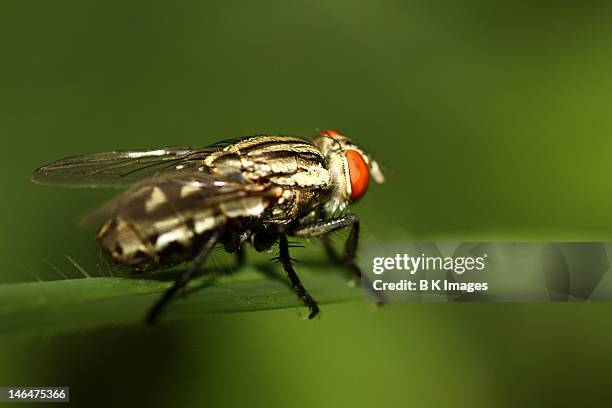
179	203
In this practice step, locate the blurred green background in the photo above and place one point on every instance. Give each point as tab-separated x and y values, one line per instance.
492	120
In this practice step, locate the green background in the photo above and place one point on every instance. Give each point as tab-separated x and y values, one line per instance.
492	120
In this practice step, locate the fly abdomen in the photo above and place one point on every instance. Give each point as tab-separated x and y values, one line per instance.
161	242
161	224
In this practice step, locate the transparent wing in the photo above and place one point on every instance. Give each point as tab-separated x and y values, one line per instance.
117	168
182	192
121	168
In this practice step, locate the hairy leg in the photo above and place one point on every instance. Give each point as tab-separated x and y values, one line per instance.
323	228
182	280
286	261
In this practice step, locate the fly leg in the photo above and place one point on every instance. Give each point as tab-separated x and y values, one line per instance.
324	228
240	256
182	280
286	261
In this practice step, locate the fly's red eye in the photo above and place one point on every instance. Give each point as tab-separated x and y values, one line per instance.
330	133
358	172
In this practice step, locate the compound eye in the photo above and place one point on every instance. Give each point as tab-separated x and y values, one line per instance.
330	133
358	172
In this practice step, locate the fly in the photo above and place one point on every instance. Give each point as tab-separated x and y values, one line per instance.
180	203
